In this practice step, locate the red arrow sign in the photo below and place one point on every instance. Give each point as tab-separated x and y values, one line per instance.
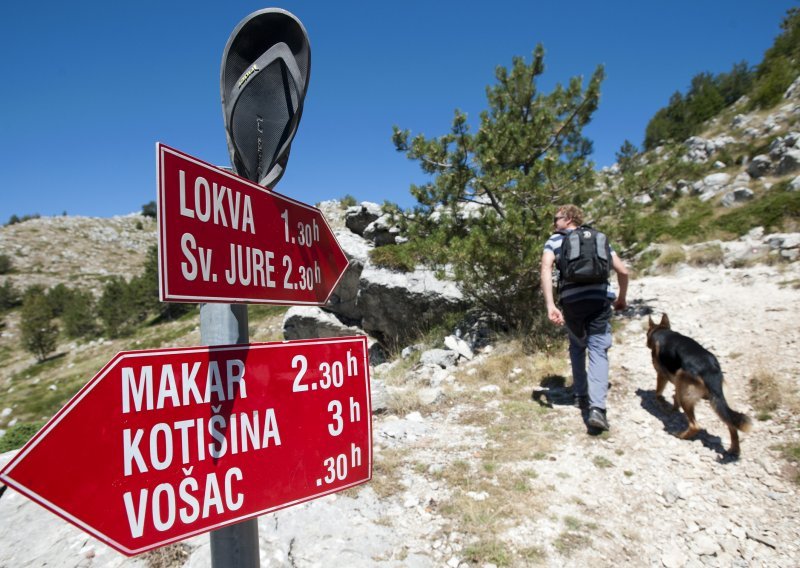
165	444
222	238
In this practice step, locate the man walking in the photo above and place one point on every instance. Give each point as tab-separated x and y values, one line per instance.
586	311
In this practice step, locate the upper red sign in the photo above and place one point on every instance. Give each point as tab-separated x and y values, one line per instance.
165	444
222	238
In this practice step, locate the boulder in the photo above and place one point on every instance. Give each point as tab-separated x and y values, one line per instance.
740	121
343	299
793	91
396	306
738	195
789	162
381	231
759	166
358	217
443	358
460	346
311	322
716	180
305	322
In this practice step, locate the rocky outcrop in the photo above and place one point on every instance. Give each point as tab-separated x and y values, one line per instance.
700	150
391	306
382	231
343	300
753	248
396	306
359	217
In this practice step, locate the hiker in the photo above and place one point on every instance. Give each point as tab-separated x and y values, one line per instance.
585	309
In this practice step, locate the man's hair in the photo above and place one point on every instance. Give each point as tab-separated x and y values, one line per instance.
572	212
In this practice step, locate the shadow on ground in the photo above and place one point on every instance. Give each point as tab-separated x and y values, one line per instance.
553	391
675	422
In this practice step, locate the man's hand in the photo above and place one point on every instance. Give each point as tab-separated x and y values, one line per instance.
555	316
620	304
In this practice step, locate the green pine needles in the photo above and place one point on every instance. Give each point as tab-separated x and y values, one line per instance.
486	212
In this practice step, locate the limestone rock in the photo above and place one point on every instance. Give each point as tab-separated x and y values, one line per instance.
396	306
358	217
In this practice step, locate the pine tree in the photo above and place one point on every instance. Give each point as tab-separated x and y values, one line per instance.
78	315
487	211
39	332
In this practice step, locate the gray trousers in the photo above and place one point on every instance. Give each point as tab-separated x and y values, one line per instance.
589	327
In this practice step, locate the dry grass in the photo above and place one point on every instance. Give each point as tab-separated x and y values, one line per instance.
671	256
387	467
706	254
576	535
765	394
493	491
404	401
170	556
769	396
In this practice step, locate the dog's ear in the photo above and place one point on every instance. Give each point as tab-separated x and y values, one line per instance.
665	321
650	323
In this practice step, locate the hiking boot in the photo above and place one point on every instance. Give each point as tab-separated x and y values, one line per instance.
597	418
580	401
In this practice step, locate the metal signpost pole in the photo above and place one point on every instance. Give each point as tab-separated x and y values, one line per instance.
234	546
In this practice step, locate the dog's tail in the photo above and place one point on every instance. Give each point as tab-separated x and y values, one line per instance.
720	405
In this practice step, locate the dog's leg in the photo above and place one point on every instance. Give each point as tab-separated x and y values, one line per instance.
734	449
684	396
661	382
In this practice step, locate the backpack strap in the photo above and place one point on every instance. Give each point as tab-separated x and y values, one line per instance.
574	244
602	245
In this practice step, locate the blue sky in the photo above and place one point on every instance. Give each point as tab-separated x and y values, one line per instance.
90	87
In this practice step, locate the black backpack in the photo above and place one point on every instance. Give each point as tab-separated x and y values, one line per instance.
585	257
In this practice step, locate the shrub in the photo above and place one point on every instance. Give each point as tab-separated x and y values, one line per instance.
348	201
39	332
5	264
9	296
16	436
78	315
115	308
394	257
59	297
14	219
150	209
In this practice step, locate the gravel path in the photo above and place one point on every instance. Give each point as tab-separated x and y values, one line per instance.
637	496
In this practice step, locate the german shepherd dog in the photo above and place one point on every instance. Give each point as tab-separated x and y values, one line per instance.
696	374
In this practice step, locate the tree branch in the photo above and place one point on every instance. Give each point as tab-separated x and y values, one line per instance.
561	129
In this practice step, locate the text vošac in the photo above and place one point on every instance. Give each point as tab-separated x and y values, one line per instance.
190	441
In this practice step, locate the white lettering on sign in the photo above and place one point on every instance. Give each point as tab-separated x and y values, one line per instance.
138	391
191	441
251	266
164	511
189	267
216	203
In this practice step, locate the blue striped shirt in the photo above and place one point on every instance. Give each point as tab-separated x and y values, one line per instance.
571	292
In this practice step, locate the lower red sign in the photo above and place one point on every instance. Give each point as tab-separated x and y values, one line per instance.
162	445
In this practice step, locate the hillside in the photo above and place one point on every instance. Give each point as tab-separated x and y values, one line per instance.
497	469
485	462
77	251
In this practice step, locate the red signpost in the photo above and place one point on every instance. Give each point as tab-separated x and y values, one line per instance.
225	239
165	444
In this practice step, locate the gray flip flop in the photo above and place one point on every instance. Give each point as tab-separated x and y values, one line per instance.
264	79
